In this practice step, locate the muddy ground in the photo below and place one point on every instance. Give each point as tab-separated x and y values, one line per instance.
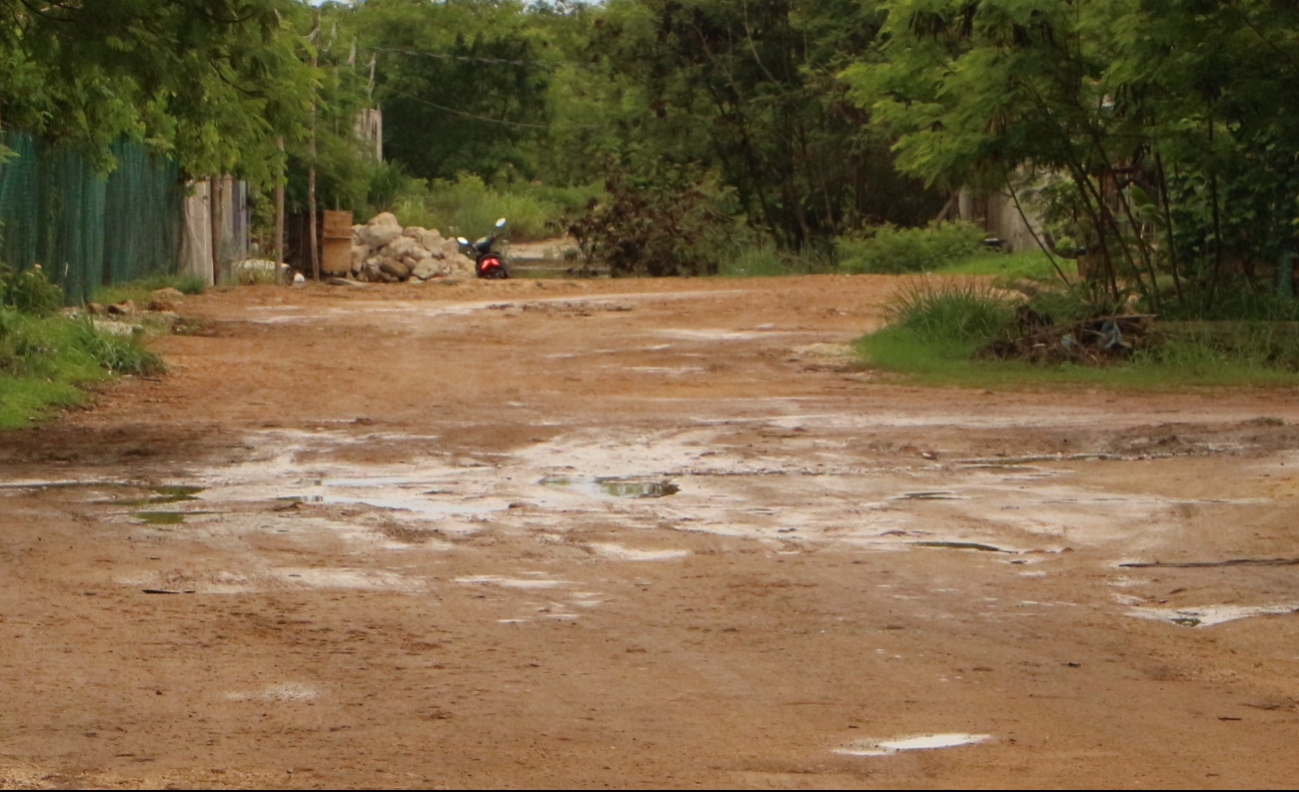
637	534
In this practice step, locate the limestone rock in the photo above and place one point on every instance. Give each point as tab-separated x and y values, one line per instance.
398	248
396	269
429	268
380	231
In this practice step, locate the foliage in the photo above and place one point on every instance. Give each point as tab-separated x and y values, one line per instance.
467	206
657	223
210	81
750	91
887	249
1160	137
29	292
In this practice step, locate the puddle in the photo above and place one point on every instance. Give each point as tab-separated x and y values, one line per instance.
962	546
517	583
160	517
933	495
620	553
918	742
608	487
1209	615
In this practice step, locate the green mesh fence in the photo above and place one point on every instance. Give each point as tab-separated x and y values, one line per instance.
84	229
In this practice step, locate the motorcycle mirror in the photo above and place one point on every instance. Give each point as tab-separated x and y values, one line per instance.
500	223
462	240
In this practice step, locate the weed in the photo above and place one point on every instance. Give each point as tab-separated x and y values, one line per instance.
141	291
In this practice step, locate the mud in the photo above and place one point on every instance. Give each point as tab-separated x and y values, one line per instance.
625	533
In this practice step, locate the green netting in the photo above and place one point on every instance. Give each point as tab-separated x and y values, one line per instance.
84	229
142	215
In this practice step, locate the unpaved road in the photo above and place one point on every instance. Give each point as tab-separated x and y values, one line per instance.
409	554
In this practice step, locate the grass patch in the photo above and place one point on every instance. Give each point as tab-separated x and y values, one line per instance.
141	291
44	361
936	329
1024	265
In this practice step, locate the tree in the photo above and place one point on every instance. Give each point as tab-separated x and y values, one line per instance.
1167	124
212	82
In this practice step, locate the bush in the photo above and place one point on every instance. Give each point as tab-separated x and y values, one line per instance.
660	222
891	250
30	291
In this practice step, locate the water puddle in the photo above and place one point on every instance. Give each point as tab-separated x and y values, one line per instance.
1209	615
619	553
930	495
962	546
160	517
609	487
919	742
516	583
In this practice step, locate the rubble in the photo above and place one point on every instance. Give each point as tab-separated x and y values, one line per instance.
1089	342
384	252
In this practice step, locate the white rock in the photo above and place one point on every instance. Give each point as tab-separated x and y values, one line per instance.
399	247
430	240
428	268
381	230
413	232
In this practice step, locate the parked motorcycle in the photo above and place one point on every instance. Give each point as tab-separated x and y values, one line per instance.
488	264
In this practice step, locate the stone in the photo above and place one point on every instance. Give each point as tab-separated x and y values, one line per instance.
430	240
168	299
450	247
124	308
413	232
380	231
398	248
396	269
428	268
359	254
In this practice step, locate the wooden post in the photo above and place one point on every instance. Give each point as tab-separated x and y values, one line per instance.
278	247
311	171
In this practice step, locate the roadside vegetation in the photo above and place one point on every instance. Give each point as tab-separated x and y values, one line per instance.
47	358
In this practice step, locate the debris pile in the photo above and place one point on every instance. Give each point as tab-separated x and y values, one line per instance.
384	252
1088	342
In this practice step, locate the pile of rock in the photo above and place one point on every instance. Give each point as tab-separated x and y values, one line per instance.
384	252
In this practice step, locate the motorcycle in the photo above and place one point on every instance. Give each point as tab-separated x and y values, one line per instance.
488	264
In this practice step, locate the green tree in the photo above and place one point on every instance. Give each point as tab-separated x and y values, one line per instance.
1162	131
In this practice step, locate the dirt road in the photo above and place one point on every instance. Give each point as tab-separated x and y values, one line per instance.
637	534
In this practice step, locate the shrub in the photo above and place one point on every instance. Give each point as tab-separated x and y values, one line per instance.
660	222
30	291
887	249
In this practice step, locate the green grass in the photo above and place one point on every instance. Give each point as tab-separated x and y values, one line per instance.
1026	264
1173	366
46	362
141	291
937	327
